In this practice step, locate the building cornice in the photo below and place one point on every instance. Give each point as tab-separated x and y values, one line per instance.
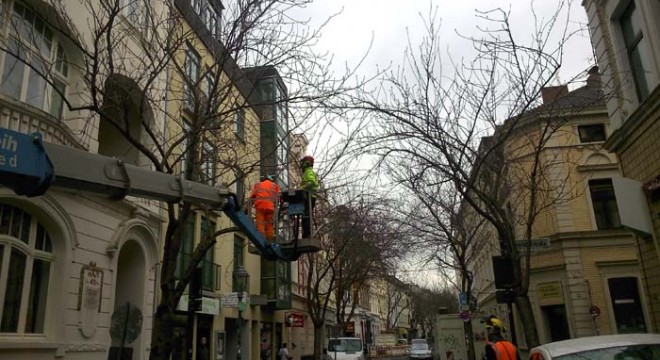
611	263
549	268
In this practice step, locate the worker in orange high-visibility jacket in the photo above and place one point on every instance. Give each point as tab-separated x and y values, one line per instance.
497	347
266	196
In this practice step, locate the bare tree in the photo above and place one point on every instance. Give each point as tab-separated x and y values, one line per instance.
426	303
427	134
162	85
397	297
359	245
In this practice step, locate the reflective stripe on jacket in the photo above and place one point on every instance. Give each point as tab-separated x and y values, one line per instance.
265	194
310	181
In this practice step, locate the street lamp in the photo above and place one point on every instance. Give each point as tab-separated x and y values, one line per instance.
241	282
366	323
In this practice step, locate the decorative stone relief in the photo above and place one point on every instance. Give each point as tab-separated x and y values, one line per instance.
89	298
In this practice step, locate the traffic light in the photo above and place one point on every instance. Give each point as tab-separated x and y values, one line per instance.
503	271
195	291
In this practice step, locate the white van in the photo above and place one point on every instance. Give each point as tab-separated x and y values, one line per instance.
346	348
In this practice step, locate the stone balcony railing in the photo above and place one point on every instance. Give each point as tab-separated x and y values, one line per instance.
20	117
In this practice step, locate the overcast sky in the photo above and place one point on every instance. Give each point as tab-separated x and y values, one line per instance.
387	23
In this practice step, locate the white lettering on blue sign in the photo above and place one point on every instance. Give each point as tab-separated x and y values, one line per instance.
9	144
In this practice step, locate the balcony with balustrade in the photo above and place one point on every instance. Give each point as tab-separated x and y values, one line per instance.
18	116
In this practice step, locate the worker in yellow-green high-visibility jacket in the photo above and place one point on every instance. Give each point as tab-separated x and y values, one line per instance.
310	182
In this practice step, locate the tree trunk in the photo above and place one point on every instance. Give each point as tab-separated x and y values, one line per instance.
319	337
162	334
469	340
527	318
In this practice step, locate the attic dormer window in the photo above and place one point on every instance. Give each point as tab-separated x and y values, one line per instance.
592	133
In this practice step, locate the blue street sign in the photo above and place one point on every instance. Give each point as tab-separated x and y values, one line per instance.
24	164
462	298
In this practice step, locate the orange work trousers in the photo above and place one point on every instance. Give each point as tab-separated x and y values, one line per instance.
265	223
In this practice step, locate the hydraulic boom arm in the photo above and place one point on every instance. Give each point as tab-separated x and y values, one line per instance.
29	167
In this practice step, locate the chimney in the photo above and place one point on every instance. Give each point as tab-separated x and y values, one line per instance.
593	80
551	93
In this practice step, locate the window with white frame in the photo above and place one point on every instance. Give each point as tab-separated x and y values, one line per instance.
208	163
26	262
211	21
637	49
35	68
191	68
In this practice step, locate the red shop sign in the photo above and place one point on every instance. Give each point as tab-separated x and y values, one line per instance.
295	320
349	326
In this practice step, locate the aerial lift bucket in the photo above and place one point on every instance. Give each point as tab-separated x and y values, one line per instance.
287	223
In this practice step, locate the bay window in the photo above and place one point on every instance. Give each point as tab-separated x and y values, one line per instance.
35	68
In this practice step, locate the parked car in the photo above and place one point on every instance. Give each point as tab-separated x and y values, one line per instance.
346	348
606	347
419	349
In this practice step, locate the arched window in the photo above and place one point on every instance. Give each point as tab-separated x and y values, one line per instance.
35	68
26	261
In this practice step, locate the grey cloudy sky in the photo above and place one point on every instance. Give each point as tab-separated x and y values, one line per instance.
386	21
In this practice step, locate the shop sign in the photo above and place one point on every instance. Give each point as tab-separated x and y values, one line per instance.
535	245
210	306
295	320
349	327
231	299
550	293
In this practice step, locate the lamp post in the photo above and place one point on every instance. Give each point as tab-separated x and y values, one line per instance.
241	278
365	325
